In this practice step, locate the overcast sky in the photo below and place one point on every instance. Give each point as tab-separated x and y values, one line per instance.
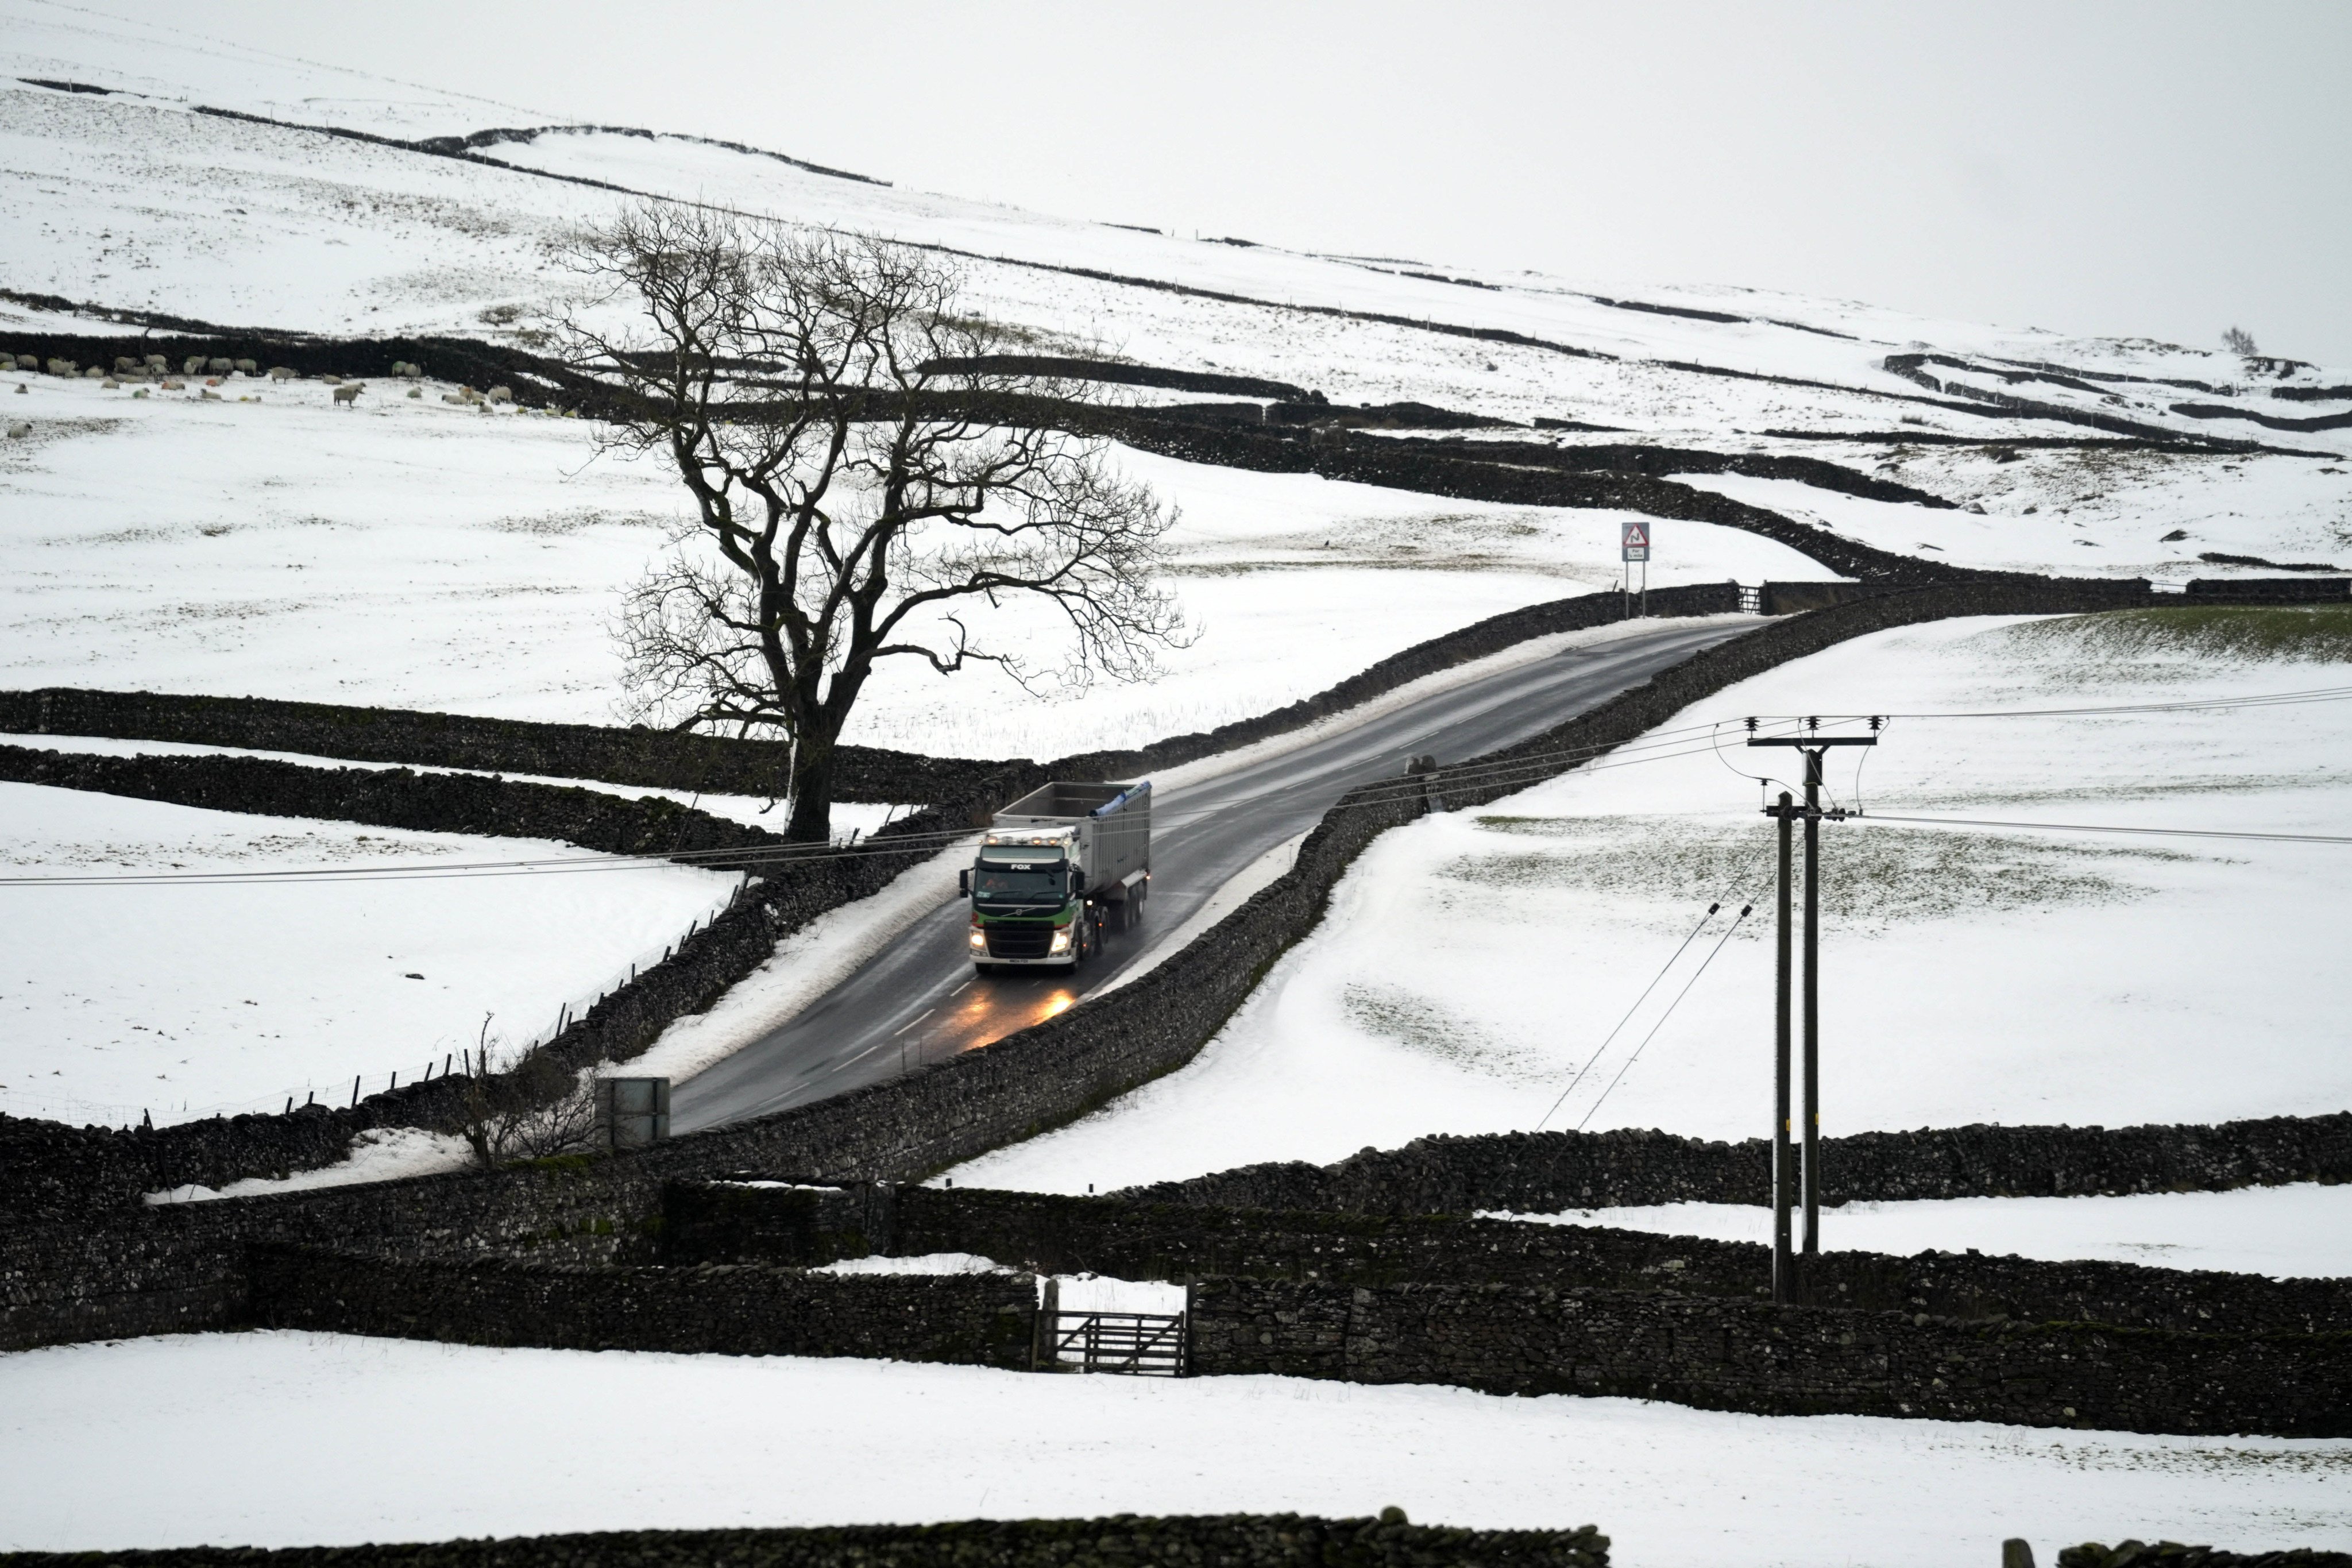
2137	169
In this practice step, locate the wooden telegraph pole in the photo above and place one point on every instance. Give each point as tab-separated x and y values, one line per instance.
1814	746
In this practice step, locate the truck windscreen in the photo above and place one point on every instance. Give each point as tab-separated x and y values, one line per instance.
1034	884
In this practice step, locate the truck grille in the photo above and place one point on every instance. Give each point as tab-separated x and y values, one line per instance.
1029	939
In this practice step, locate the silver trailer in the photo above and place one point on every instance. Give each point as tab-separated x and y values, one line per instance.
1057	869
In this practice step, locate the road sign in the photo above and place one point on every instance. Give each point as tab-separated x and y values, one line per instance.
1637	542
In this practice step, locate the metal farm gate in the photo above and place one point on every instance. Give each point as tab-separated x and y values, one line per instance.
1138	1345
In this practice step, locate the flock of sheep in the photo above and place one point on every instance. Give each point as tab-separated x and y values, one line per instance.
215	371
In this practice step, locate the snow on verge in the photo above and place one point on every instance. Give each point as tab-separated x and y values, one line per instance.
378	1154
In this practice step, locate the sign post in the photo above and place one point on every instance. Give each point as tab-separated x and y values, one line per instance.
1635	546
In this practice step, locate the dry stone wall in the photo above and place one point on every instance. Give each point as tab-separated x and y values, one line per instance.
1721	1355
1126	1541
2174	1554
973	1320
1547	1172
1130	1240
397	797
653	759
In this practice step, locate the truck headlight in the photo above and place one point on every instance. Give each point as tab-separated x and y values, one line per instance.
978	938
1061	940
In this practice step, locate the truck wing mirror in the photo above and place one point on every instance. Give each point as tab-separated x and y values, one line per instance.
963	882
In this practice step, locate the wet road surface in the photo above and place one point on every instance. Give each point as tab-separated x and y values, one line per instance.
921	1002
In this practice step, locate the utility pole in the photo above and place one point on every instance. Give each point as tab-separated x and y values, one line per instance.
1783	1265
1815	746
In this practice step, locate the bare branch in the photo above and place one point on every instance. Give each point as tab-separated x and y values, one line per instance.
822	398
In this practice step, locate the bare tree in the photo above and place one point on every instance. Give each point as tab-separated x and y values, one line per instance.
2239	341
864	482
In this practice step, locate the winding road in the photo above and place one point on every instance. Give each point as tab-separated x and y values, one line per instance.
920	1000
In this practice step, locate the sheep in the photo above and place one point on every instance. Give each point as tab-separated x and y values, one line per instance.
28	362
501	395
19	430
93	373
221	366
63	367
416	391
247	366
171	384
348	393
158	364
123	363
192	365
280	373
331	379
208	394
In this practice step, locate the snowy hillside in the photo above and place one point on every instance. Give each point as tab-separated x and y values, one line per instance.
132	197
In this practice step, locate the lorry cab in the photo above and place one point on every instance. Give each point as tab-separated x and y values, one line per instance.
1027	904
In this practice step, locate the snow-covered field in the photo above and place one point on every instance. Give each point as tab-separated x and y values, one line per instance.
1474	964
2302	1231
178	1000
414	554
284	1438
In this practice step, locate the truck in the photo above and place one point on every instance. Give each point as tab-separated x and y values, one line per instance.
1055	870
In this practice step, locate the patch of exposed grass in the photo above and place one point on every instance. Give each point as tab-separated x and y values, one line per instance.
2320	634
579	520
1423	1026
1873	876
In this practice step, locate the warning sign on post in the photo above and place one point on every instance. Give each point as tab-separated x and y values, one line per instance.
1637	542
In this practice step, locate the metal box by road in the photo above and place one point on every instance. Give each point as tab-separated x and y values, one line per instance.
631	1113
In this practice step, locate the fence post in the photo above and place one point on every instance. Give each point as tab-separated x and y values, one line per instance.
1041	1334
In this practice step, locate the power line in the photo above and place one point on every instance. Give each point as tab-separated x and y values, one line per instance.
2109	827
1669	1012
2256	700
1644	996
538	865
1658	745
1379	793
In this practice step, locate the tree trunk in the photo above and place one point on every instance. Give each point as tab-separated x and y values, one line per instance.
812	820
